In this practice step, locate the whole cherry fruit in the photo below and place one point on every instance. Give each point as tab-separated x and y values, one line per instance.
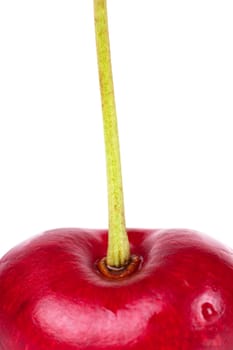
154	290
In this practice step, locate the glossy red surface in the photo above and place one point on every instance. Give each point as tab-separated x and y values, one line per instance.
53	298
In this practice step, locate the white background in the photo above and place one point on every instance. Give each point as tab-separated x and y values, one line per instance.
173	70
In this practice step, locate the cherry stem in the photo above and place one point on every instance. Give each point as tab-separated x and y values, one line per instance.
118	252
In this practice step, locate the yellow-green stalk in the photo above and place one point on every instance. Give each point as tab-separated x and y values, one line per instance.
118	252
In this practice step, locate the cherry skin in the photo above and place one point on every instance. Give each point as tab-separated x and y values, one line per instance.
52	295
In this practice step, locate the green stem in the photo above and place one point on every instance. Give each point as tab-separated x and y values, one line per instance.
118	253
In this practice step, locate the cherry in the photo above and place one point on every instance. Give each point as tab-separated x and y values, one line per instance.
54	296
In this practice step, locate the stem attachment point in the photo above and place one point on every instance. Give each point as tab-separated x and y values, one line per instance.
117	273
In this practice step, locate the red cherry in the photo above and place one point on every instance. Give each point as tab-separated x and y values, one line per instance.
52	295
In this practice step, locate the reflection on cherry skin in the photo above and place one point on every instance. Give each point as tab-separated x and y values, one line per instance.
206	309
81	324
